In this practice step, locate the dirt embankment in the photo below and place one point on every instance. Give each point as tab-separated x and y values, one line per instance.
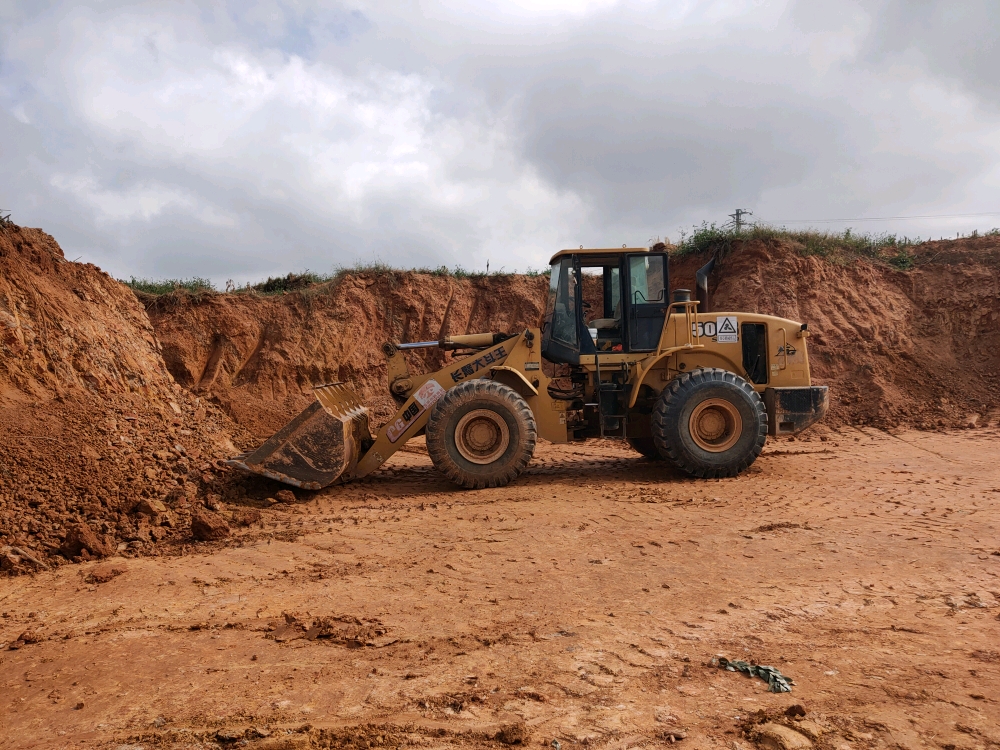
96	435
918	347
259	357
68	326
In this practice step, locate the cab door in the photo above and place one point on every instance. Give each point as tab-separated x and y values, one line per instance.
646	283
562	322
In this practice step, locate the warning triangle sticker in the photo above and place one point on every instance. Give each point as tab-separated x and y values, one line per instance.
727	325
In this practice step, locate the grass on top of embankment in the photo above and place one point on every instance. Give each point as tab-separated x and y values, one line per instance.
838	247
298	281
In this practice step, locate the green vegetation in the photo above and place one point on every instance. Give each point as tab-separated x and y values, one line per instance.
843	248
838	247
307	279
460	273
193	285
289	283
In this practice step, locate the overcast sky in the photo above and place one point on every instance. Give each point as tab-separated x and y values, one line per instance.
237	139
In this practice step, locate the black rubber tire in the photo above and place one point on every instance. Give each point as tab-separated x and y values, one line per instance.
672	418
646	446
463	399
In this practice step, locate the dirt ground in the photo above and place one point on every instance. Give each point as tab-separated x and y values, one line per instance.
581	606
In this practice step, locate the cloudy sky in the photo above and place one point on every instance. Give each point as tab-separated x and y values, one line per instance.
236	140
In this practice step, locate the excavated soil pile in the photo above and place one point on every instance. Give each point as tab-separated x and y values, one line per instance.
919	348
100	450
259	356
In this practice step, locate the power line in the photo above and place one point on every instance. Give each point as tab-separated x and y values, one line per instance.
880	218
738	217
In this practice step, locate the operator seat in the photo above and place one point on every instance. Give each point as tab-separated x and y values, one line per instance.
609	330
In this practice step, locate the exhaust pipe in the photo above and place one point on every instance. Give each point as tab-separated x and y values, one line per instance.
701	290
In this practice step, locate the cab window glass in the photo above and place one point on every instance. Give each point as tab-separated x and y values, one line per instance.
563	294
613	294
646	280
550	303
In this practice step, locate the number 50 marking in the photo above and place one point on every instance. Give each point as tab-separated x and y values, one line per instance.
703	329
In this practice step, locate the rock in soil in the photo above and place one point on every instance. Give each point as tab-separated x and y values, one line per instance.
81	538
810	729
207	526
513	734
30	636
773	736
150	507
284	496
16	560
104	573
246	516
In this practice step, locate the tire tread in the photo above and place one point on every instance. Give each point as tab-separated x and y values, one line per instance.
672	398
455	398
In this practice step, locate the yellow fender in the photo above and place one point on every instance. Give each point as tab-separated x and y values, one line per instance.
527	383
642	369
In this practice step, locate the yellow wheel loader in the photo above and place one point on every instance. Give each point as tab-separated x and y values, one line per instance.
699	390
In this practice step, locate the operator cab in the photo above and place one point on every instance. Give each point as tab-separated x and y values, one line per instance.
604	301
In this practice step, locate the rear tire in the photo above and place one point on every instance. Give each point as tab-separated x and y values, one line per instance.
481	434
646	446
710	423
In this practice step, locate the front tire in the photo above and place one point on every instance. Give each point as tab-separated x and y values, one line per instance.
481	434
710	423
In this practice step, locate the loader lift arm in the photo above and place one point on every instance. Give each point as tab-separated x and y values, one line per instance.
329	441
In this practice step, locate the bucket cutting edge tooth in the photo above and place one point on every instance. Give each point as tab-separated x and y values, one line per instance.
321	445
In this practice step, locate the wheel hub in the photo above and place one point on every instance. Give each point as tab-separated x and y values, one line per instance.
715	425
482	436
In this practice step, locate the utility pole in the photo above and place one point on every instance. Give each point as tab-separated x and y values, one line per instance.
738	217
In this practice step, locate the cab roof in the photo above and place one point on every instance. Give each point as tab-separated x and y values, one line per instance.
598	251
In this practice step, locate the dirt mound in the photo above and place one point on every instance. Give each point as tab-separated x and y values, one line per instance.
93	423
67	325
919	347
258	357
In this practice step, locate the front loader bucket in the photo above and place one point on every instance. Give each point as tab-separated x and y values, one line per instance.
319	446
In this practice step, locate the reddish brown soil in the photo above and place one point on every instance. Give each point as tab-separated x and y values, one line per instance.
582	604
259	357
92	420
919	348
69	326
105	405
915	348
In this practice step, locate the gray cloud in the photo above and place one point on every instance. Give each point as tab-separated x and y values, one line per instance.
958	42
168	140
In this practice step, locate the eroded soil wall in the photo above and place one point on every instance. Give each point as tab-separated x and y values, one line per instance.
918	347
259	357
